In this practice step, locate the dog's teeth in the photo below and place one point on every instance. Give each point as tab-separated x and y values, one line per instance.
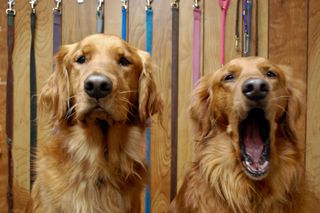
265	165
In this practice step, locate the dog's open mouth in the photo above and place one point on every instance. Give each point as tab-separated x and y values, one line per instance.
255	143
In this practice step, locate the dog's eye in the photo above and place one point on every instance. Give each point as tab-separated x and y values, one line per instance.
81	60
124	62
271	74
229	77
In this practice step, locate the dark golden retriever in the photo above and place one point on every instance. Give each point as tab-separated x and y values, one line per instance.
247	154
97	100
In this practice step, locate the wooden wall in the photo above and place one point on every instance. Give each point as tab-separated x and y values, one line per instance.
288	34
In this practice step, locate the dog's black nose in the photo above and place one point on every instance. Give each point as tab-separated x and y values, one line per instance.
98	86
255	89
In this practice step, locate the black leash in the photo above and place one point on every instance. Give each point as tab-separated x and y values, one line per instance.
9	106
33	97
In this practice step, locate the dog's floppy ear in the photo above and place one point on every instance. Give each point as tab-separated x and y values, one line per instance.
150	101
54	96
294	104
200	109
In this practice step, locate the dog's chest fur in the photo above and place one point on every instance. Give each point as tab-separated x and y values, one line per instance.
78	173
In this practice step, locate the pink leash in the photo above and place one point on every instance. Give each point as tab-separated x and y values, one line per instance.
224	4
196	42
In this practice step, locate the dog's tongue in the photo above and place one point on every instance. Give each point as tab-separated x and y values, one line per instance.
252	141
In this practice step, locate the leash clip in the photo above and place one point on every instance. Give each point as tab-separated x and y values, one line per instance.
33	4
196	4
148	5
100	3
175	4
124	4
10	7
57	7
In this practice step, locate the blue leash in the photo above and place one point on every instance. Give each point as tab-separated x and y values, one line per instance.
124	20
149	26
100	17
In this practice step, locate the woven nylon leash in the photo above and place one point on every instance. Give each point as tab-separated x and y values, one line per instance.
174	96
224	5
236	28
149	28
196	41
9	99
33	91
56	26
100	16
249	13
124	10
257	29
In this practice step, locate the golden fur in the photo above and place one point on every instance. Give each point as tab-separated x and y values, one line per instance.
217	180
94	159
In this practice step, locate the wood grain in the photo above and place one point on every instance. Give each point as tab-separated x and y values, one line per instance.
160	143
288	42
21	61
113	20
313	95
283	37
78	20
185	136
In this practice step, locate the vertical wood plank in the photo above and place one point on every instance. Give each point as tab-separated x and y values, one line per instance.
288	42
212	36
313	95
160	143
185	136
112	23
3	85
78	20
21	61
263	20
288	35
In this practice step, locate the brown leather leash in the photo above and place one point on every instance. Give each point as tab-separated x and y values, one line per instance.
9	107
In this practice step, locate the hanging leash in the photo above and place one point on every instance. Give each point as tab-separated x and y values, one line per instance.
196	41
246	40
100	16
249	13
174	96
149	28
33	91
124	10
246	15
236	29
57	26
224	5
257	29
9	99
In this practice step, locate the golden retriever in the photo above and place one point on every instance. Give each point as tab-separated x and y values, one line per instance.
247	154
98	100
